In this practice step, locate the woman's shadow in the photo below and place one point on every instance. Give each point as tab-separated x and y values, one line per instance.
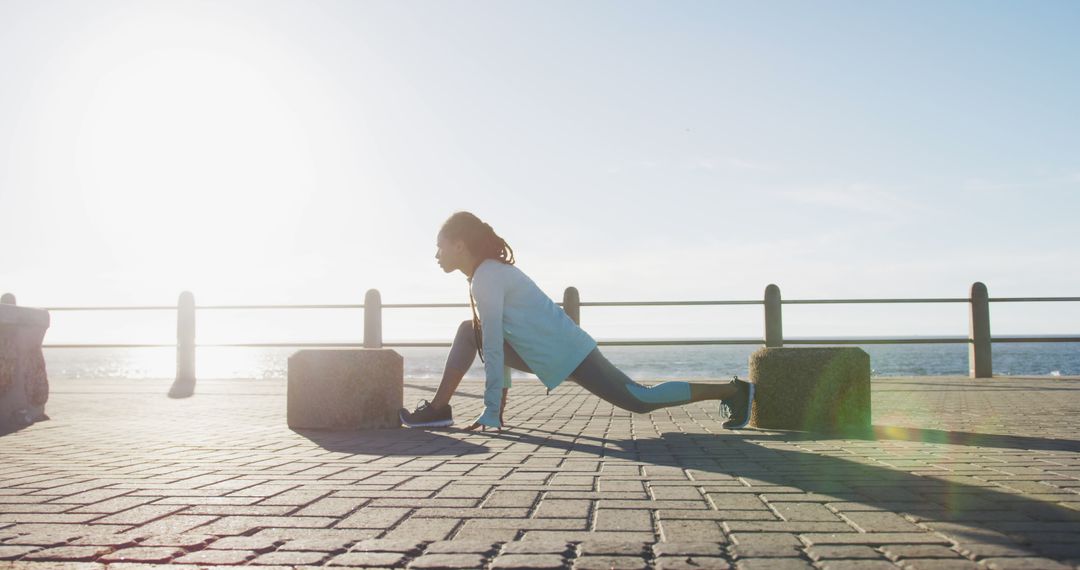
848	470
962	508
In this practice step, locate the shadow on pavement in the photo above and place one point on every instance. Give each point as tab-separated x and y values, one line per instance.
392	442
9	429
963	508
896	433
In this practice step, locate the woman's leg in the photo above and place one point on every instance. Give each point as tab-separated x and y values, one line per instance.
599	376
461	358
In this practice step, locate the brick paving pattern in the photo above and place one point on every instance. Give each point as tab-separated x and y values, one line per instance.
959	474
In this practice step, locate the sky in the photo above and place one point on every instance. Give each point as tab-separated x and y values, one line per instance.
304	152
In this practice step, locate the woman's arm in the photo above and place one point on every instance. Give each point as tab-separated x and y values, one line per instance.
489	294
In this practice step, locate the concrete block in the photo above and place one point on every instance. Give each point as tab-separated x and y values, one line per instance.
811	389
24	384
345	389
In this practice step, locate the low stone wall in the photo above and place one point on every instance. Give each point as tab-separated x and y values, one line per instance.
345	389
24	383
811	389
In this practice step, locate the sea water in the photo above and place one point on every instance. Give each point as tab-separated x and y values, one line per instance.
645	363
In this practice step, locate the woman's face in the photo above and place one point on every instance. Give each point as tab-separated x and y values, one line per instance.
449	253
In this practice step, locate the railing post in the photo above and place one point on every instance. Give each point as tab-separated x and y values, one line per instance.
571	303
980	360
7	299
372	319
774	326
184	385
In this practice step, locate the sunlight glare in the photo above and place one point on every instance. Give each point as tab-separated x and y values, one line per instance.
191	159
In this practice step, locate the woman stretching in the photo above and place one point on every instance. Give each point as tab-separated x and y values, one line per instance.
516	324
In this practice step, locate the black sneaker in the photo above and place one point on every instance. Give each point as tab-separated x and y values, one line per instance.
426	415
739	406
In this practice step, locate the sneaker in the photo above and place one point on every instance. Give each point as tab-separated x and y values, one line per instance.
426	415
739	406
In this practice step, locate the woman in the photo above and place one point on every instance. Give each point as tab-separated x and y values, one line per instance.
516	324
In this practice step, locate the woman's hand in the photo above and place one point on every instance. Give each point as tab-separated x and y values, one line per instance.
476	423
481	426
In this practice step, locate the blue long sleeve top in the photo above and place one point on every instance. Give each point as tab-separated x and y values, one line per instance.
514	309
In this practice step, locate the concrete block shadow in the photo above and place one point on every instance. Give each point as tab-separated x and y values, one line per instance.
898	433
391	442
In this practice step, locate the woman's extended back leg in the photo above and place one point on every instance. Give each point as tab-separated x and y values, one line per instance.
599	376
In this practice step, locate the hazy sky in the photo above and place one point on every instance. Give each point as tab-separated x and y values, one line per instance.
303	152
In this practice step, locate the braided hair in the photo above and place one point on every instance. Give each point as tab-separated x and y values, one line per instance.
483	243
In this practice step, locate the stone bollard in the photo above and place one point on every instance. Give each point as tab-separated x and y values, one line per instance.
24	384
811	389
345	389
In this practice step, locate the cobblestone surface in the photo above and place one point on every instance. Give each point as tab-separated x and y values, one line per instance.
959	474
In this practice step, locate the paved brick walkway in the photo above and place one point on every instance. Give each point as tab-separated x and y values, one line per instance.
962	474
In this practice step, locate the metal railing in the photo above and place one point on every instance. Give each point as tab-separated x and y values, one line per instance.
979	340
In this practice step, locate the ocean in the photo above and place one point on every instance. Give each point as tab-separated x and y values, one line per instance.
644	363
